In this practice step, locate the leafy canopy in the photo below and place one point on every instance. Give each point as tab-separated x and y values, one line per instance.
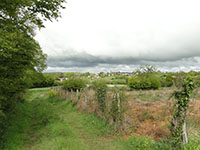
19	51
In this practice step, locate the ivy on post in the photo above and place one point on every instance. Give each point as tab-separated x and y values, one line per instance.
178	123
100	88
86	95
117	109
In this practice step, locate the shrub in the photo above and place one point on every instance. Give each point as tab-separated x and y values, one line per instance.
117	109
74	84
197	82
167	80
179	79
52	94
144	82
100	88
2	125
154	82
118	81
39	80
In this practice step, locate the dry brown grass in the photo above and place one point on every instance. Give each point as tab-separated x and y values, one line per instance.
148	112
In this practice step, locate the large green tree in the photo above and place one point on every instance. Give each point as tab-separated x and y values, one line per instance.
19	51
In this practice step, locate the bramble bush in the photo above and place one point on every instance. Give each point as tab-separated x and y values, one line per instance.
74	84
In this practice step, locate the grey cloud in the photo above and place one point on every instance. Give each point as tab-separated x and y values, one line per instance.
84	59
73	60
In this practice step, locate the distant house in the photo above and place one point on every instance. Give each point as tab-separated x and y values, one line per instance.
126	73
96	76
62	79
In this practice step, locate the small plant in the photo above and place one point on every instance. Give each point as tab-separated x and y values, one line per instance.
52	94
145	115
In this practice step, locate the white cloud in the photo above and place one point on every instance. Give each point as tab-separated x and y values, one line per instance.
156	30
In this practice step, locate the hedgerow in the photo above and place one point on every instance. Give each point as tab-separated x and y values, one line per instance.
74	84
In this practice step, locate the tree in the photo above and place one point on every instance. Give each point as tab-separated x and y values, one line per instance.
144	78
147	69
19	52
26	15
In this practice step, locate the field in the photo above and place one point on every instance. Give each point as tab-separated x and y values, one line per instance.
50	123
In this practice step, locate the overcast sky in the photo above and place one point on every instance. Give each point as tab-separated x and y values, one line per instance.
120	35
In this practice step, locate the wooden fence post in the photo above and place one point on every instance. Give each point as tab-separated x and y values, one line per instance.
77	94
118	102
71	94
86	96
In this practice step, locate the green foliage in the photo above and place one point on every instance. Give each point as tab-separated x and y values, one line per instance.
141	143
197	81
37	80
179	79
144	143
52	93
181	105
100	88
118	81
74	84
167	80
26	15
3	125
144	78
19	51
144	82
42	81
117	109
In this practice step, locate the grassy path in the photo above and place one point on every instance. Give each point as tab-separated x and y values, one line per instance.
45	123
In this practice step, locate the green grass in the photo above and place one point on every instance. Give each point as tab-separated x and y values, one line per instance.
44	123
47	123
